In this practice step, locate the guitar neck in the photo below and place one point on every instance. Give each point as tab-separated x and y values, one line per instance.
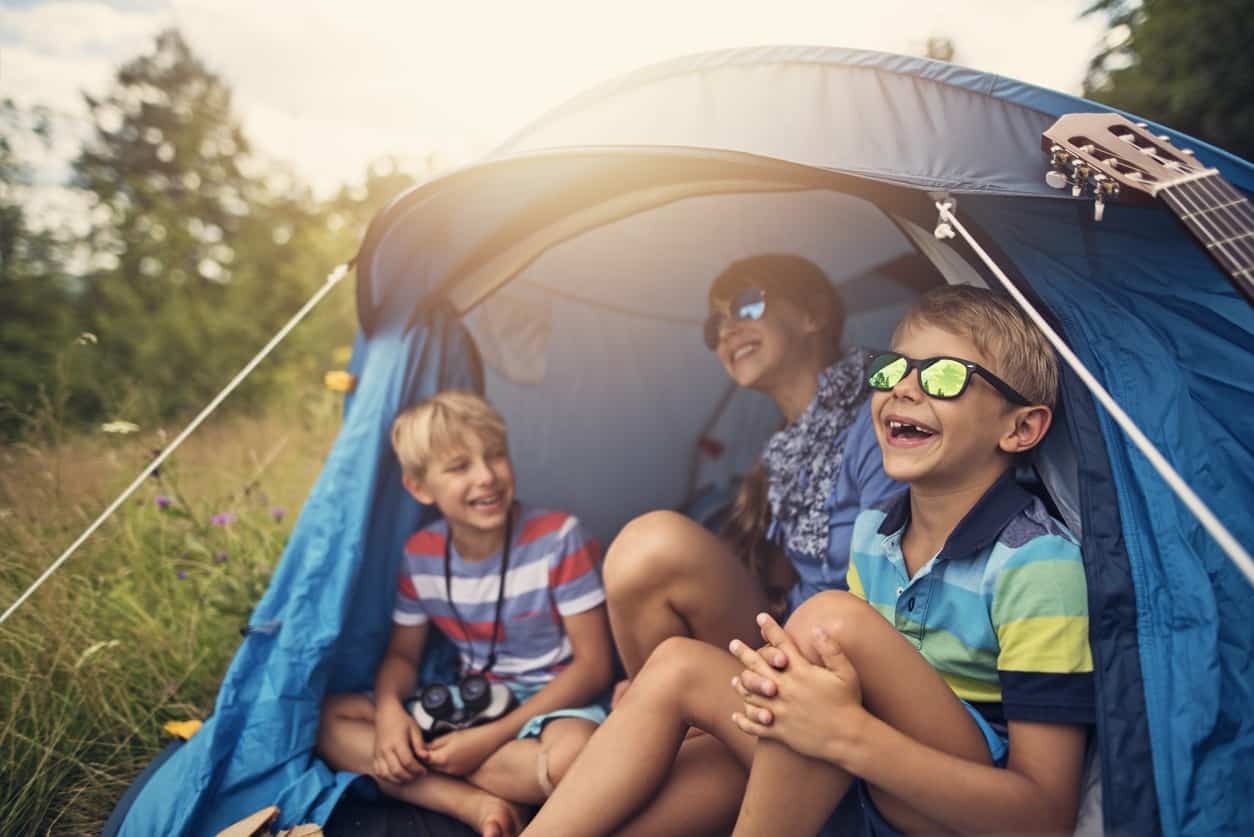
1222	220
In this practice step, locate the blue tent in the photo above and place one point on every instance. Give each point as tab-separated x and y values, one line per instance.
566	274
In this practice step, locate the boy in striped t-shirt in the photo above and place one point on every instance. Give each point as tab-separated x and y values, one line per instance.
518	592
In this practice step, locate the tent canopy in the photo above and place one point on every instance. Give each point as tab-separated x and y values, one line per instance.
568	273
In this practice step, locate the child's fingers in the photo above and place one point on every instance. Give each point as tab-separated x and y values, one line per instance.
777	637
833	657
749	658
749	726
749	683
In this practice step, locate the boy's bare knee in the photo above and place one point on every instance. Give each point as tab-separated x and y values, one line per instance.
837	612
562	742
676	666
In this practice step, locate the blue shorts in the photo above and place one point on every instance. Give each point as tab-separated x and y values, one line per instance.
877	826
593	712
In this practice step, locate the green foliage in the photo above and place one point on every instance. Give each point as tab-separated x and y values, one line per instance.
139	626
1185	64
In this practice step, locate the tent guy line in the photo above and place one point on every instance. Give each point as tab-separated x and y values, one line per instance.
333	279
1229	544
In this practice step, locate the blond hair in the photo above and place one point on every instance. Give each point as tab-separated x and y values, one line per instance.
1012	344
441	424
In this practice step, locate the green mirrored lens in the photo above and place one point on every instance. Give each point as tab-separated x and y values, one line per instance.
944	379
887	371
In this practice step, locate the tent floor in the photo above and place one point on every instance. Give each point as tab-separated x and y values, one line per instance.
388	818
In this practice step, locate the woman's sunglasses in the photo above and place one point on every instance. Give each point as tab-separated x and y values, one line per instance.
939	377
749	304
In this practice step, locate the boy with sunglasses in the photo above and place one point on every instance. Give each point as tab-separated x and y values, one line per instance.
953	682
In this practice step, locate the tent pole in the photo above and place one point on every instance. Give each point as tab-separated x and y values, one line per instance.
1229	544
333	279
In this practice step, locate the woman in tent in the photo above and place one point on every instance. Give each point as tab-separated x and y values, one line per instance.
775	323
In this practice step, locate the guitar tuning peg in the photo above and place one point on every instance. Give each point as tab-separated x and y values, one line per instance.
1055	179
1099	208
1141	124
1076	190
1164	137
1188	152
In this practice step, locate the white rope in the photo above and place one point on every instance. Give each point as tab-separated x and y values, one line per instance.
1204	515
332	280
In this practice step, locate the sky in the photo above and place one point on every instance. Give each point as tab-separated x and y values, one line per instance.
328	86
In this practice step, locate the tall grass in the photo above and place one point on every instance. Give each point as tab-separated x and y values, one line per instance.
138	627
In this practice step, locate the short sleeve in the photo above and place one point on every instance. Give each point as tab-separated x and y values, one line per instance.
408	608
575	570
1040	613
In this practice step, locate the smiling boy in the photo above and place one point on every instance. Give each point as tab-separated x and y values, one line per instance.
954	680
518	592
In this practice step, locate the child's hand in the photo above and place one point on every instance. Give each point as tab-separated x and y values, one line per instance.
460	753
807	707
398	746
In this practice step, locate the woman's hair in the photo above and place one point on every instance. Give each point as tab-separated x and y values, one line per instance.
794	277
804	283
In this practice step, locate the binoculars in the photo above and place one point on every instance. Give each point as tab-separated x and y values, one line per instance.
474	700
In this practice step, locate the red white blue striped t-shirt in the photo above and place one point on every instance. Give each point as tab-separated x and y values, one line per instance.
554	571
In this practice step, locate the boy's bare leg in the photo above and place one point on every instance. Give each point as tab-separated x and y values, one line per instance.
667	576
346	742
513	772
686	682
788	792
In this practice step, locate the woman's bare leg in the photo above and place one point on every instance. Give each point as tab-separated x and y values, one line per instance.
701	794
667	576
792	793
684	683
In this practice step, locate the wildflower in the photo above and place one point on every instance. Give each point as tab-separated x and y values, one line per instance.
122	427
278	513
162	501
224	518
221	557
86	338
182	574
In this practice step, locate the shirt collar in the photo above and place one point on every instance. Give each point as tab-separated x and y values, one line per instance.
980	526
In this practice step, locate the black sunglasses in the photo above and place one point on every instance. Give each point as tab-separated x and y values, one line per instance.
749	304
939	377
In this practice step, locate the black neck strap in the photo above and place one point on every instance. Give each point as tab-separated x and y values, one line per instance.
500	593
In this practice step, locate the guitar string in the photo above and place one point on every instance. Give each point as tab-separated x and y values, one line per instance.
1238	229
1229	235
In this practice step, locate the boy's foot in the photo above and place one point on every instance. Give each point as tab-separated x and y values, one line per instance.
497	818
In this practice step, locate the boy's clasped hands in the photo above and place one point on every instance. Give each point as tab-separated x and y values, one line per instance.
401	754
813	709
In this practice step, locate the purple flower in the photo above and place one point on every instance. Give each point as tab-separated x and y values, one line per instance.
221	557
223	518
278	513
163	502
182	574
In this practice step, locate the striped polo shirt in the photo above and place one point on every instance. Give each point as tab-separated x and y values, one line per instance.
1001	612
554	571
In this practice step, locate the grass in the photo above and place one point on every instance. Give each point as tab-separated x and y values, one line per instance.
138	627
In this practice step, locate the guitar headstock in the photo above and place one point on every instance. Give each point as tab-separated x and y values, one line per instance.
1106	155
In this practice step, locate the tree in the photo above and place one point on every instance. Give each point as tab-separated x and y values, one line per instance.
199	249
35	321
1182	63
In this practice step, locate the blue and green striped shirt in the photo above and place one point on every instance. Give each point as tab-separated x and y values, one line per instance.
1001	612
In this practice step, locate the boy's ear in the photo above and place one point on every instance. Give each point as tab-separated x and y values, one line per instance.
417	490
1030	424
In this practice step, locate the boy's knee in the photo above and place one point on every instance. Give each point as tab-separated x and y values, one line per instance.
562	745
837	612
641	556
676	666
